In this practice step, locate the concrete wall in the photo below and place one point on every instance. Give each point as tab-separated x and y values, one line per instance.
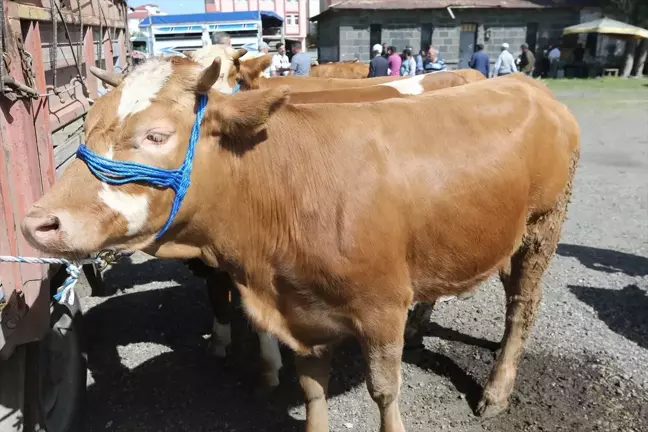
328	41
403	28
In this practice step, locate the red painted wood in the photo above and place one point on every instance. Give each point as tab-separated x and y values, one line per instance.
108	50
88	55
21	152
40	109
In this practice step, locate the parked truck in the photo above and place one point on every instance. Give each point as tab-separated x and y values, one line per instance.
46	48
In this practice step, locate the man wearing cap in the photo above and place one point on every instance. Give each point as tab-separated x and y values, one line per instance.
378	65
505	63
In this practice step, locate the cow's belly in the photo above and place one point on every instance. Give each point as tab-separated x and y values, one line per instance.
451	258
298	318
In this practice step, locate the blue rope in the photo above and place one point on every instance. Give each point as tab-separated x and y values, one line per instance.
122	172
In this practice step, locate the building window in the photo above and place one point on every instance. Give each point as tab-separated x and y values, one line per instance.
292	20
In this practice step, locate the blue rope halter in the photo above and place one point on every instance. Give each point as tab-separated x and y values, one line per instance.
121	172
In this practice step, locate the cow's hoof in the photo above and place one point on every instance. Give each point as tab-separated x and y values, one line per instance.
217	350
488	408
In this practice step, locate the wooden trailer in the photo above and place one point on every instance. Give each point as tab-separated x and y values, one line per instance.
46	47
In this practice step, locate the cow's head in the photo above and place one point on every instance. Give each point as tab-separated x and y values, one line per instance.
148	119
236	73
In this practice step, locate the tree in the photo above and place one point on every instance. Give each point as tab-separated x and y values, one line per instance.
636	11
640	63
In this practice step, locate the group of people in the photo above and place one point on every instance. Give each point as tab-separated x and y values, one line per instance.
386	61
507	64
281	65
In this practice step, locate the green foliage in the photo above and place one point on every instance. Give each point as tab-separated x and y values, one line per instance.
636	11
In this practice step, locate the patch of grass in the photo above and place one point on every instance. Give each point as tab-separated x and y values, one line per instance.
607	83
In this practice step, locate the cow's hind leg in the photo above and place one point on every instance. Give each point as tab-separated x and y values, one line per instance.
219	286
523	293
270	362
313	372
417	324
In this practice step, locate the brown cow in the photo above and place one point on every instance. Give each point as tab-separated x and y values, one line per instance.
405	87
219	283
353	70
316	257
303	84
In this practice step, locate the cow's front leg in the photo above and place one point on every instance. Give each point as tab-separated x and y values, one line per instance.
219	286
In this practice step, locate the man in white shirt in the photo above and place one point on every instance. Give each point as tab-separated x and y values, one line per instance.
280	63
206	39
505	63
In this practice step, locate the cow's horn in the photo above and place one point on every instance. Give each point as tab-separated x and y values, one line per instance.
238	53
208	76
112	78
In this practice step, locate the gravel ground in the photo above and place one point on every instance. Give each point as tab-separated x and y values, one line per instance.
584	369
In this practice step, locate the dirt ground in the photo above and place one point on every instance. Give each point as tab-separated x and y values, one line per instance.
585	367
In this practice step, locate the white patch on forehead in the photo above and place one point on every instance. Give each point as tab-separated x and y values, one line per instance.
408	86
133	208
142	85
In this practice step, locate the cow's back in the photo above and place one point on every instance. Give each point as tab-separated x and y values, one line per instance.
470	75
340	70
316	84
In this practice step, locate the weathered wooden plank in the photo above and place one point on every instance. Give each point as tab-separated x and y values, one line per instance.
67	150
36	13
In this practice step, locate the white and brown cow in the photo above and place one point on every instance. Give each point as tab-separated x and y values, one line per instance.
334	230
219	283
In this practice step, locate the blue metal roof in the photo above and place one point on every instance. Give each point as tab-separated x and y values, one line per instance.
269	17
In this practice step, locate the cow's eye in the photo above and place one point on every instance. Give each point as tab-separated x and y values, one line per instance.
157	138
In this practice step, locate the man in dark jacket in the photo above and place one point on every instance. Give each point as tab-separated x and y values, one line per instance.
379	65
527	60
480	60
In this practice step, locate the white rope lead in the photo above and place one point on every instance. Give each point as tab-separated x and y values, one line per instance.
65	293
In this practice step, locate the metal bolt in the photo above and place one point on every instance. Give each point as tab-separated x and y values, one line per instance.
11	324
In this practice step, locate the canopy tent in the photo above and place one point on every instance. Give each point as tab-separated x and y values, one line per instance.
608	27
269	18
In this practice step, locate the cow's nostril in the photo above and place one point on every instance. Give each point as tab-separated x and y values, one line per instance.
48	224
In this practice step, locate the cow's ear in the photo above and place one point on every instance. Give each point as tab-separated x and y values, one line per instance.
255	66
244	113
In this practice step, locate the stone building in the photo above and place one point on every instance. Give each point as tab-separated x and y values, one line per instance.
347	29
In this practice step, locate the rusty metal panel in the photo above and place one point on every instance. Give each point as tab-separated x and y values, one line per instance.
31	129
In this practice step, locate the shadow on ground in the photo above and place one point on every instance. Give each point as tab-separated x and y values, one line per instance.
185	389
606	260
623	311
